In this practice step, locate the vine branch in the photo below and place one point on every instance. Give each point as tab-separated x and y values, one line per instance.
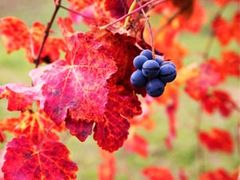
57	6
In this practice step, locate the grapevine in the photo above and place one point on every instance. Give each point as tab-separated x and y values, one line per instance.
116	82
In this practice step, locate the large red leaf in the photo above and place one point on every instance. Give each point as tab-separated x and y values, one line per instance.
78	85
46	160
216	140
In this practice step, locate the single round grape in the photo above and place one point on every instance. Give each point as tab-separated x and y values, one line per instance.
167	73
170	63
139	61
159	60
155	87
150	69
137	79
147	53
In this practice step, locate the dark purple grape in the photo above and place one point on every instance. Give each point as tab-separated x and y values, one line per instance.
170	63
167	73
150	69
147	53
139	61
159	60
155	87
138	79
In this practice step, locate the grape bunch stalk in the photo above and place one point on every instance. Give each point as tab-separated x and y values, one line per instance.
152	73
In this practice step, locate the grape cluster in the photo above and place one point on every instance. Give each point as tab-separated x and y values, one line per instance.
151	73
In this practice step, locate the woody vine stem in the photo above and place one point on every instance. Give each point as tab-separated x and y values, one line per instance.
57	7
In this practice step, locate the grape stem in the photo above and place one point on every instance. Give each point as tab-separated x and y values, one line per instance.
149	28
47	30
131	13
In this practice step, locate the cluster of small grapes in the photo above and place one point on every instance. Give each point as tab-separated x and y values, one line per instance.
152	73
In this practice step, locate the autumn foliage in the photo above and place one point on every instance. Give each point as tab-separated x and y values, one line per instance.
80	84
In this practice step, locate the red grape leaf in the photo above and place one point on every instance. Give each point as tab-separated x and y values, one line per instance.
232	59
222	30
16	35
217	174
138	145
217	140
20	97
117	8
218	100
81	129
14	32
77	85
211	74
34	125
111	132
122	103
107	168
46	160
236	25
66	26
157	173
52	48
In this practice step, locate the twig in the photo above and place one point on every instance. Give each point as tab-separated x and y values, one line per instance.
57	6
149	29
129	14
